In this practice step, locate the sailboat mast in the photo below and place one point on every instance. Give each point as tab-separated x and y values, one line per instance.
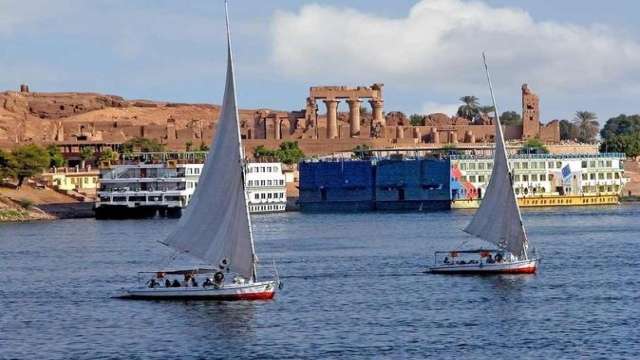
240	147
503	148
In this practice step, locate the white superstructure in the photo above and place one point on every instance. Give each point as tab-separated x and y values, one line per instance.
266	187
167	185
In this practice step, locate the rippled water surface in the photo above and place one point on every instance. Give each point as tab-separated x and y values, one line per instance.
354	288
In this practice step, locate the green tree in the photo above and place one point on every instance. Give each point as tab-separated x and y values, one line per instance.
625	143
416	120
139	144
86	153
109	155
55	156
620	125
534	146
204	147
487	110
568	130
288	153
587	125
30	160
8	165
470	108
510	118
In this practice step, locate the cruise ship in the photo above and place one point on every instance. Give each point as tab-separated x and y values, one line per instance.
146	184
543	179
441	182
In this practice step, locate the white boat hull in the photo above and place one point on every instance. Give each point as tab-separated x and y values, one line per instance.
512	267
232	292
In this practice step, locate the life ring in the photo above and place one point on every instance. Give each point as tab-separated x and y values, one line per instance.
218	277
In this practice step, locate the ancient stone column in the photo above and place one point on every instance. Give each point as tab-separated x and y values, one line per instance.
276	124
434	137
416	133
399	132
354	116
378	109
332	118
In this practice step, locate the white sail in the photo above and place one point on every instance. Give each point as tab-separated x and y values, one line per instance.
498	219
216	224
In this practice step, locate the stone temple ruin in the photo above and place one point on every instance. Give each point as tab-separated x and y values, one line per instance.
393	127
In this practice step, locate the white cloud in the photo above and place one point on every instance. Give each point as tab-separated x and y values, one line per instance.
431	107
439	45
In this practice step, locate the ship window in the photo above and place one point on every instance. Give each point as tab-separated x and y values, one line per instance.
463	166
256	196
534	177
525	177
262	182
534	165
608	163
472	166
490	166
269	196
517	165
481	178
600	176
585	177
269	182
516	177
263	196
558	164
481	166
543	177
592	176
609	176
517	191
472	178
617	175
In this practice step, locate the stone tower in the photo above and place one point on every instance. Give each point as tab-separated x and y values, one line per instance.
530	113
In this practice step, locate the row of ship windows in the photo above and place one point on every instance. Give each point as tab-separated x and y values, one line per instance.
265	182
534	165
585	189
193	171
544	177
269	195
257	169
257	208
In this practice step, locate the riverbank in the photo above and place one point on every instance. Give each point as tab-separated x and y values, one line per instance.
32	204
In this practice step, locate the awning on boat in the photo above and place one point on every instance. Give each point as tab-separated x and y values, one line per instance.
183	271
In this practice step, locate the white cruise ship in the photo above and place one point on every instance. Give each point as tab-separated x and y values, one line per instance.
146	184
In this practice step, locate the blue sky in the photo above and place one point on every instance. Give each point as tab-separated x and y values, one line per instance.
577	55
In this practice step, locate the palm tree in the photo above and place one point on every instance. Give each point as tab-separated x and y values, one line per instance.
470	108
587	124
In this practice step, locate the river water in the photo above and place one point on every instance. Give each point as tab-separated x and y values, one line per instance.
353	288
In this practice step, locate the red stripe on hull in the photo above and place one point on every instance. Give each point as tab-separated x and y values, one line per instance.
267	295
527	270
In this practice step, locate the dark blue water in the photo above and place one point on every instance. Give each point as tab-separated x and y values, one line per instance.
353	289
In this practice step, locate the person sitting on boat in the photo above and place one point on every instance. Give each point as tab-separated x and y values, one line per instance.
208	282
167	283
194	282
153	283
490	259
499	257
175	283
446	260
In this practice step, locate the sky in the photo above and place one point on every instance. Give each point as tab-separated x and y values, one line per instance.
576	55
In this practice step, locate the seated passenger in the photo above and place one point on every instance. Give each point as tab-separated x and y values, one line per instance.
446	260
175	283
490	260
208	282
194	283
152	283
167	283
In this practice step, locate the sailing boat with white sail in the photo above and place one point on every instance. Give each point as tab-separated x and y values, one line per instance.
498	221
216	228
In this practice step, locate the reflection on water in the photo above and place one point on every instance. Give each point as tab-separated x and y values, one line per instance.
354	288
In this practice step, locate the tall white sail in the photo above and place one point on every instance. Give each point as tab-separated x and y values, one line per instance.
498	219
216	224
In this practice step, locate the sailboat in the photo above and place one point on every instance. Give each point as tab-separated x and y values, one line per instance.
216	227
497	221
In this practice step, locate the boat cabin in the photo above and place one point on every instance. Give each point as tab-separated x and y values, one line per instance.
480	256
